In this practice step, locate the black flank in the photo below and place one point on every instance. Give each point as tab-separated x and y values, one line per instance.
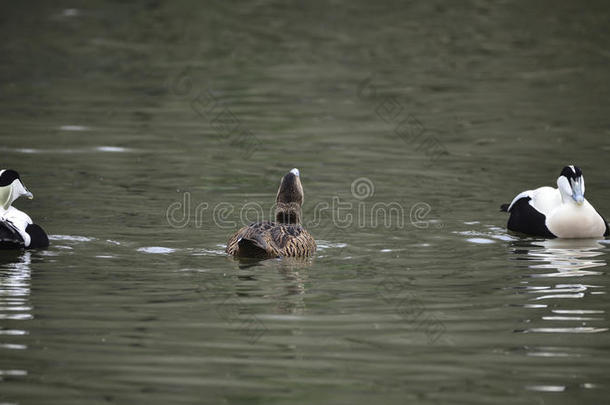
524	218
9	236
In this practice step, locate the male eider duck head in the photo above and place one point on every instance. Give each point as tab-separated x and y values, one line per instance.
16	227
11	188
563	212
571	184
283	237
289	199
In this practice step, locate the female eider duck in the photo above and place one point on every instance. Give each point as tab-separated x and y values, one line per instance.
284	237
17	230
561	212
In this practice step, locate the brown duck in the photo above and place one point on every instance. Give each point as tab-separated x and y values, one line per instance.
284	237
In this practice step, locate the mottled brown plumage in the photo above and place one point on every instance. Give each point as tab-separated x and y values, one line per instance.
285	237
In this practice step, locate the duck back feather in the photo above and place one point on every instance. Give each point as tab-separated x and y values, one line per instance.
271	239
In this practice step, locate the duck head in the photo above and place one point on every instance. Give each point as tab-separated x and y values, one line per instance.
289	199
571	184
11	188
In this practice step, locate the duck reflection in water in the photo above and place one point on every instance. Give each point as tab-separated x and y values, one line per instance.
569	257
570	306
15	280
287	290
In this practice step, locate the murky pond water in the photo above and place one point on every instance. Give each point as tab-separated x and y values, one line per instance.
149	132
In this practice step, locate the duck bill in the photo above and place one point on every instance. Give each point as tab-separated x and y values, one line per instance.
22	191
577	194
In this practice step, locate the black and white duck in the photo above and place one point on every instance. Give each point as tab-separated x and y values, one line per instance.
284	237
561	212
17	230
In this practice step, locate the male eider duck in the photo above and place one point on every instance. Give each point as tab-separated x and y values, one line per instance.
17	230
284	237
561	212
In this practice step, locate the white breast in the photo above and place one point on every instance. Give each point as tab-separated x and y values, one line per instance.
20	220
575	221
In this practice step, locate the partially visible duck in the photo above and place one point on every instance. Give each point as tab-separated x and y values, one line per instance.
561	212
284	237
17	230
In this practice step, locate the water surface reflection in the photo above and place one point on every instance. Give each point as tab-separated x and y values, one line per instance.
15	275
567	303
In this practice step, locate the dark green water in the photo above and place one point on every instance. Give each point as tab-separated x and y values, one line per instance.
434	113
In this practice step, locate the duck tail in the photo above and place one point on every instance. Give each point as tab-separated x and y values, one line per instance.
39	238
254	246
504	207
